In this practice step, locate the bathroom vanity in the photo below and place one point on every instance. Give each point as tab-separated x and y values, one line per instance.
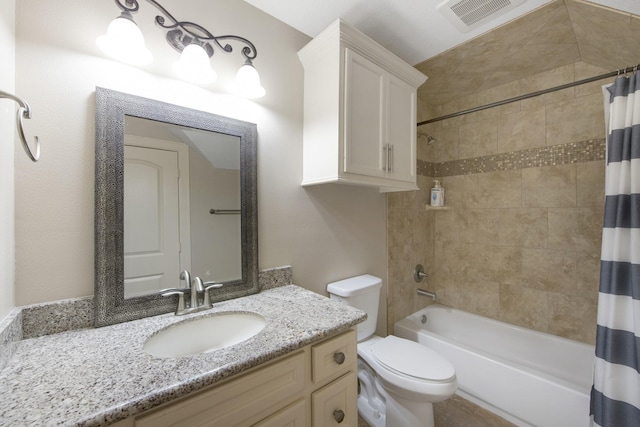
301	368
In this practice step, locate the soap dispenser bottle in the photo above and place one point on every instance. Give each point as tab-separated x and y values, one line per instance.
437	194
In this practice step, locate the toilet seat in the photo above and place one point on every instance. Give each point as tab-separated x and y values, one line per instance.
412	359
409	369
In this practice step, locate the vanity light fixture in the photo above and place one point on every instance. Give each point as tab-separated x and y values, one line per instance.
124	41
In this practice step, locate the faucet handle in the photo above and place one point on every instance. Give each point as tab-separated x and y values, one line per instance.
174	291
212	285
207	286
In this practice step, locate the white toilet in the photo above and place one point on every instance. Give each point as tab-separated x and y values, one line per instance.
399	379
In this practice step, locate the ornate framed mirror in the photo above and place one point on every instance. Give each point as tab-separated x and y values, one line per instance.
152	222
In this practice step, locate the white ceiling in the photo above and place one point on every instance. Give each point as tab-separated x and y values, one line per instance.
412	29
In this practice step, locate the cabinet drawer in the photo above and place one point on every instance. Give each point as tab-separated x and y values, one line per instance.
334	357
241	401
336	404
293	415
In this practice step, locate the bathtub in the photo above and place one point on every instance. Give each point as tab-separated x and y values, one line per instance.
527	377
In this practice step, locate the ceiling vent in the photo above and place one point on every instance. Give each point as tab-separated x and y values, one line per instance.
466	15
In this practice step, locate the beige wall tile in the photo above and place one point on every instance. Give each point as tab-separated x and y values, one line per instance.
499	189
478	139
573	317
447	225
524	306
522	130
546	80
446	149
526	228
464	103
584	70
575	229
448	294
522	246
481	298
578	119
590	180
453	263
461	191
477	226
499	93
551	186
495	264
588	275
459	263
550	270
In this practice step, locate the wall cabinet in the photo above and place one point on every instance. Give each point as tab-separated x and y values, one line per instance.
315	386
359	112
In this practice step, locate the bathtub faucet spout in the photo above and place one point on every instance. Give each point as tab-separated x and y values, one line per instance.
426	293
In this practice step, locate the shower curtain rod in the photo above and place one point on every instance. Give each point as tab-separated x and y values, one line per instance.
532	94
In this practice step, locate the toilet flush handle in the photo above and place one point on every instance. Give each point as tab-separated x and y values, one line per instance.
339	357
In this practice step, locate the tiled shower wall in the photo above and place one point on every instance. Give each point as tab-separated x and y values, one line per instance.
524	190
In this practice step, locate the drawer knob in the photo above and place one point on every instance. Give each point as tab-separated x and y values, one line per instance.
339	357
338	415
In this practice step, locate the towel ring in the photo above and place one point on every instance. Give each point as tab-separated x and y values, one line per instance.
24	112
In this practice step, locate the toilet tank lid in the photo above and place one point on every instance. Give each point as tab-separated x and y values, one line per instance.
355	285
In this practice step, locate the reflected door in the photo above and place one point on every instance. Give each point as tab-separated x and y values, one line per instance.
151	220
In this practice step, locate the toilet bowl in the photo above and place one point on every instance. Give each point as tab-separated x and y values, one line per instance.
399	379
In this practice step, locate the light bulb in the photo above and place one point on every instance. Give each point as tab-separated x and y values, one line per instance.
124	42
247	82
194	66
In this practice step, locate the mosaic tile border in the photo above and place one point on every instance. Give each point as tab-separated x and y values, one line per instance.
573	152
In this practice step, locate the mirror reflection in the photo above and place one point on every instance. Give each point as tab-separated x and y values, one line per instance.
181	206
211	224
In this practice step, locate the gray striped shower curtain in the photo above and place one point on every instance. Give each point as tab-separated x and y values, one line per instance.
615	395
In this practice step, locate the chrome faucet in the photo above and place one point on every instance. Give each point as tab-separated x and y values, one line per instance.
196	286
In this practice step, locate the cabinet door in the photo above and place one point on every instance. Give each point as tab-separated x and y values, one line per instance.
240	402
336	404
364	93
401	129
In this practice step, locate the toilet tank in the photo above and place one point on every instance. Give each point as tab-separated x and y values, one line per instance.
362	292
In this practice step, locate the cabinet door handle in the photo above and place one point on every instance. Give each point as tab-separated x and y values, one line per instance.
338	415
385	155
391	159
339	358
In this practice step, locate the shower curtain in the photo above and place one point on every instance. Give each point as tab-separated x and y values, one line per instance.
615	395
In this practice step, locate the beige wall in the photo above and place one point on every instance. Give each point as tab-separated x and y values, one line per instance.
521	240
326	233
7	148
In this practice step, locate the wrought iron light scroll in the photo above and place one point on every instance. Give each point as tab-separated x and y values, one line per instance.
192	40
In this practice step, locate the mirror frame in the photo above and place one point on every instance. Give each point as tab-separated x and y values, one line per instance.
111	108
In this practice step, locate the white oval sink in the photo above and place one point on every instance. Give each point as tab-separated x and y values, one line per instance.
204	334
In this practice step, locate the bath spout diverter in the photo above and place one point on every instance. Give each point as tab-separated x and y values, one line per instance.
426	293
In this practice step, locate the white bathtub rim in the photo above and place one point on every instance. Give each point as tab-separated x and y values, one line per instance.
408	322
512	364
574	394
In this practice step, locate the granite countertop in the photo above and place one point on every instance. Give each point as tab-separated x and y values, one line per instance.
94	377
